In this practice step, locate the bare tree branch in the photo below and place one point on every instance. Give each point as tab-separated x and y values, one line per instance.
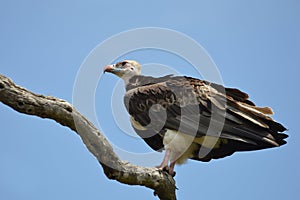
64	113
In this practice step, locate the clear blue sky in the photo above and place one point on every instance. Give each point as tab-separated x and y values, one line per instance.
255	45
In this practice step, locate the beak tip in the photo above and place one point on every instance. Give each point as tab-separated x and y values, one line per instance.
108	68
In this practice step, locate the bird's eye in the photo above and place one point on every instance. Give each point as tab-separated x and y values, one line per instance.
131	68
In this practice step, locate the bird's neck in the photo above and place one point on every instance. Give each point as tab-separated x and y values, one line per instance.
127	79
132	82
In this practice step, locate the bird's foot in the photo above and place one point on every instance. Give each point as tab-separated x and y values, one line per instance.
167	169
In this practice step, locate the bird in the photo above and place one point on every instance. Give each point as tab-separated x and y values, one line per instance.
189	118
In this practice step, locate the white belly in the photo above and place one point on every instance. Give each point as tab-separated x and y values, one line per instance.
181	146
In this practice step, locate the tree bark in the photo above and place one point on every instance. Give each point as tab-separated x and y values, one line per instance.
65	114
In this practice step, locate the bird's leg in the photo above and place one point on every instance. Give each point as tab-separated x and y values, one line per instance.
171	168
165	161
164	165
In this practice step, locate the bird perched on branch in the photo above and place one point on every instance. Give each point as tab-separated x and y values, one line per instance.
194	119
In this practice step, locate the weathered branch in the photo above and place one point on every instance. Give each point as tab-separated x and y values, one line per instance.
64	113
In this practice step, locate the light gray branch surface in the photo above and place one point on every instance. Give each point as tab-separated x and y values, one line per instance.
65	114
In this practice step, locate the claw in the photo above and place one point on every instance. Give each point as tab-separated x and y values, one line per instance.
167	169
173	174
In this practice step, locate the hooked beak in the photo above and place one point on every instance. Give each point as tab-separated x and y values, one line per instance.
112	69
109	68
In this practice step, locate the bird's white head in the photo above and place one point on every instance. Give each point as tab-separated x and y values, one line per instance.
125	69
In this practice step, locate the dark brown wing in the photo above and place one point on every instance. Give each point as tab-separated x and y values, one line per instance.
192	106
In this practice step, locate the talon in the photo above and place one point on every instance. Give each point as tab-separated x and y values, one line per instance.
173	174
166	169
162	168
171	171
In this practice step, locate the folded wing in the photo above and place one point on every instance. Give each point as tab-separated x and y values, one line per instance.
194	107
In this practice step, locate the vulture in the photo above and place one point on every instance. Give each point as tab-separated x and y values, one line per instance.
194	119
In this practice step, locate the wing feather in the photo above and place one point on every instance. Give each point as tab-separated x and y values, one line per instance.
188	104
